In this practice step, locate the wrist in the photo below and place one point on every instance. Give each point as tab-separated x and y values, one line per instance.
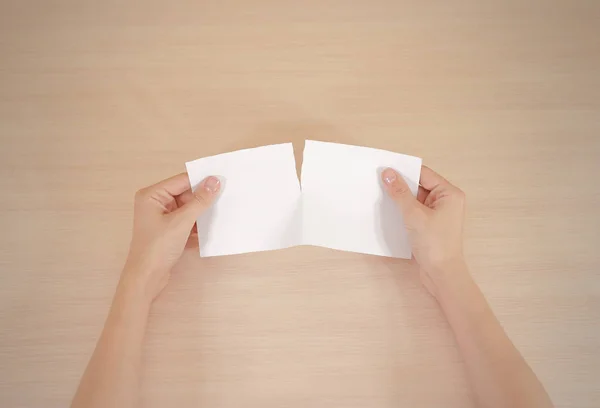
448	275
132	289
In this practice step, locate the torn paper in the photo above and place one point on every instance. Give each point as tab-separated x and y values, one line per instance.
258	207
342	204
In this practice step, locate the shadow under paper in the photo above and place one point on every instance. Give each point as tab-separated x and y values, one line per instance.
292	234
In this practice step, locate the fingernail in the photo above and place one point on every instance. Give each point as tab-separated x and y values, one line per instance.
389	176
212	184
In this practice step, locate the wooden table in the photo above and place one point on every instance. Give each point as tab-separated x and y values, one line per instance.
100	98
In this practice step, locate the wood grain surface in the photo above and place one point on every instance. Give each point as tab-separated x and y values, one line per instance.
99	98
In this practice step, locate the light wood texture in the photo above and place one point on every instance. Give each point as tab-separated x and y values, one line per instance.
100	98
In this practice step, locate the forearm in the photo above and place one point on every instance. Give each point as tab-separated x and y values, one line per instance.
111	378
498	373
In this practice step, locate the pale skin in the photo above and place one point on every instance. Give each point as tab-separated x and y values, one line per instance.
164	217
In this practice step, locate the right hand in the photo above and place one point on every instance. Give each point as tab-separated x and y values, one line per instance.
434	221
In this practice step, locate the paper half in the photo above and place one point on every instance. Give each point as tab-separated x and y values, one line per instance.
344	204
258	207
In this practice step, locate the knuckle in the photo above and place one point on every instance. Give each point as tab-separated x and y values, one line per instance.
201	199
140	194
399	190
460	194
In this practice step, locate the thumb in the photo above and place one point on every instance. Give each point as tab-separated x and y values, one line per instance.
399	191
203	197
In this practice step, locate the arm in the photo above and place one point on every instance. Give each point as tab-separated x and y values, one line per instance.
163	220
499	375
111	378
498	372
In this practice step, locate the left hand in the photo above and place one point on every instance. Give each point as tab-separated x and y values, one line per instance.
164	216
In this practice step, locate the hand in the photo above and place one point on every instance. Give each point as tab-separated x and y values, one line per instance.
434	221
164	217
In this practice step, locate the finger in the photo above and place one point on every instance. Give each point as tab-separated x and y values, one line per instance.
430	179
422	195
398	190
204	196
184	198
174	185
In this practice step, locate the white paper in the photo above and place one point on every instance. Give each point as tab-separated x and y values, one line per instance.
342	204
258	207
